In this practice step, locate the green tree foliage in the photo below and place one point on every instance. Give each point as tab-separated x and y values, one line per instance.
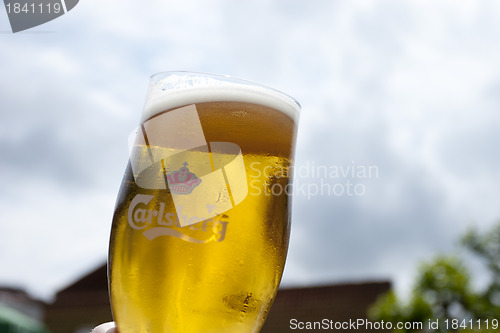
443	292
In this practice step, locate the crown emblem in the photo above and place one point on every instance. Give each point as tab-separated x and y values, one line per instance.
182	181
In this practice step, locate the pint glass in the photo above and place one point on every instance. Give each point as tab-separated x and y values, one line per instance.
202	220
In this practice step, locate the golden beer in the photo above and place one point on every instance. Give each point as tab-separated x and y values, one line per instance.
215	270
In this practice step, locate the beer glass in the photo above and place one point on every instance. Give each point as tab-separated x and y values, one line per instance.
202	220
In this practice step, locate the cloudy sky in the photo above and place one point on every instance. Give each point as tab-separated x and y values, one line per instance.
407	90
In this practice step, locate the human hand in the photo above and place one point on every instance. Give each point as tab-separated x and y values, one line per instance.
105	328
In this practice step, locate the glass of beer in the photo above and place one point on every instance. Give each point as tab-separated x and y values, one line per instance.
202	220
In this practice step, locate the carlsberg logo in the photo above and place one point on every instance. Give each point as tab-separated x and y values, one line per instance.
159	222
203	179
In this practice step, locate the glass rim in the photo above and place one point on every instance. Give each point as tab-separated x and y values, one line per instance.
221	78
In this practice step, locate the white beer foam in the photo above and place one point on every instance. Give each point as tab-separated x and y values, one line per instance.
180	89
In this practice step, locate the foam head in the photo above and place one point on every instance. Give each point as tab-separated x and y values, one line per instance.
169	90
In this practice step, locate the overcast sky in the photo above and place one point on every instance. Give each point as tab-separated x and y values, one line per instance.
408	90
